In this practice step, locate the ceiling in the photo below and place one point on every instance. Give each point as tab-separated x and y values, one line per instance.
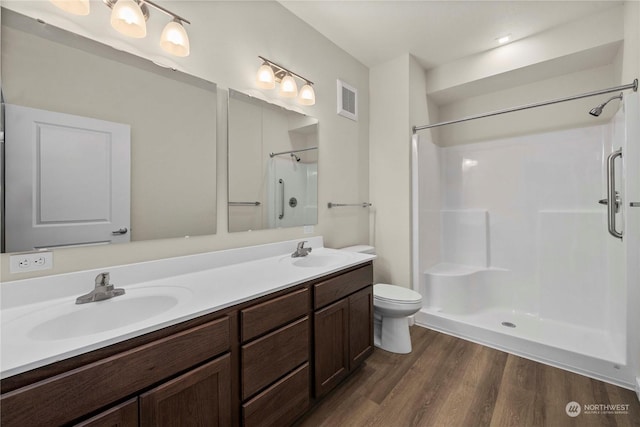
435	32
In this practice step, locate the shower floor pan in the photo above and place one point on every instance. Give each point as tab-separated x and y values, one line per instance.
590	352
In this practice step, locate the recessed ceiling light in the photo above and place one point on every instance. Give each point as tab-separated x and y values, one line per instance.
504	39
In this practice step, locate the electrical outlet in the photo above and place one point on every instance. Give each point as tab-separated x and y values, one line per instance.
34	261
307	229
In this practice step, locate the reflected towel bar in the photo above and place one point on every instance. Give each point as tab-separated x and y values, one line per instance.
292	151
244	203
337	205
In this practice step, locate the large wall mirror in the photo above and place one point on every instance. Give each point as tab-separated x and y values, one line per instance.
273	165
82	118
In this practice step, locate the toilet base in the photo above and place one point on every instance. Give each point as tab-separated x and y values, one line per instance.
392	334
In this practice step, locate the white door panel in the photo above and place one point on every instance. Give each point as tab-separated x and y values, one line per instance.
67	179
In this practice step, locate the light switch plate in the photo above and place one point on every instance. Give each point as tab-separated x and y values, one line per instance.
308	229
32	261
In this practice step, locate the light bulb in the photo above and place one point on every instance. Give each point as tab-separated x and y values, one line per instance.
174	39
127	18
77	7
288	87
265	78
307	95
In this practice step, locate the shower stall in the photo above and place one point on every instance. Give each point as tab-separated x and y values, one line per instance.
539	238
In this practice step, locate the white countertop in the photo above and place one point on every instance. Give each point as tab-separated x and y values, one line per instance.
203	291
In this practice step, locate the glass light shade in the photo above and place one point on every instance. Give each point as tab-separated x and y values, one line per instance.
307	95
127	18
174	39
265	79
77	7
288	87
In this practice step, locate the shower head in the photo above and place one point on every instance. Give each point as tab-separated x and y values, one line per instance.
295	157
598	110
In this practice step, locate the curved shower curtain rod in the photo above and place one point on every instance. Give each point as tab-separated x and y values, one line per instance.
633	86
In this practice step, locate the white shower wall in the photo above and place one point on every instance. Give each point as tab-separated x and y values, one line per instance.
540	193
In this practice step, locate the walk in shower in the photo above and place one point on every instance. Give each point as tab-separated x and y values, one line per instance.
538	239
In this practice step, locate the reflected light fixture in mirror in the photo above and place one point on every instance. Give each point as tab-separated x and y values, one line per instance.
76	7
174	39
127	18
269	73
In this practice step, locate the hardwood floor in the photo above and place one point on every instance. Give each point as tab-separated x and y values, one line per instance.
447	381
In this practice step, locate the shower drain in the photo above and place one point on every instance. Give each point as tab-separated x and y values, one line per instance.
509	324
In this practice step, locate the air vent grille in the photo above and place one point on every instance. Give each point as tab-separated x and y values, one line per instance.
347	100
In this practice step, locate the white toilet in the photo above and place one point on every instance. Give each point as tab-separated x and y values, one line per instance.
392	306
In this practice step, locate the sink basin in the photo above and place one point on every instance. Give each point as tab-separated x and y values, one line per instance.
319	259
68	320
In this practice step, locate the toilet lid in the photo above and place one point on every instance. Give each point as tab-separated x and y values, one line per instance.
395	293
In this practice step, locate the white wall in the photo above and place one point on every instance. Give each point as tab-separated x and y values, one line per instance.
390	180
226	38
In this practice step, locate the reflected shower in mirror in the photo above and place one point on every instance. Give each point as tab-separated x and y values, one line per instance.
273	165
79	85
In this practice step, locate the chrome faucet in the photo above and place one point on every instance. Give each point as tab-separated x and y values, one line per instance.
301	250
103	290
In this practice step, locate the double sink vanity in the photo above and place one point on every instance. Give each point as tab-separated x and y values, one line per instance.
249	336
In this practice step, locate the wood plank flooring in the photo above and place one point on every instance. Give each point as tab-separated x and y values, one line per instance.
447	381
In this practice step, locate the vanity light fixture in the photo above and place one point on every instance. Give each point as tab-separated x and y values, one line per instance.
288	87
76	7
269	73
307	95
174	39
266	79
129	17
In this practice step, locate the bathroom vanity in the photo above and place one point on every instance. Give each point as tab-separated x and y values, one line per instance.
263	361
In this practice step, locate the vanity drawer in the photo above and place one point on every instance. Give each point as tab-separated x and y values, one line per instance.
340	286
282	403
63	398
274	355
272	314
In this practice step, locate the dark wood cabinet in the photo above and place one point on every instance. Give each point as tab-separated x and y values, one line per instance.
343	330
201	397
123	415
331	343
360	326
275	378
88	387
249	365
282	403
272	356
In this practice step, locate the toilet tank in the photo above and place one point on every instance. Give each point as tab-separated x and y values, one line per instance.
363	249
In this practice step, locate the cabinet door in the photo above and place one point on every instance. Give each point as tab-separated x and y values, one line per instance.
201	397
360	326
123	415
331	340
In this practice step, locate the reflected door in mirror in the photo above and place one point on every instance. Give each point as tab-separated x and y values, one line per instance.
67	181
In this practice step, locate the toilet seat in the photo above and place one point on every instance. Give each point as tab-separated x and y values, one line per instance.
395	294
